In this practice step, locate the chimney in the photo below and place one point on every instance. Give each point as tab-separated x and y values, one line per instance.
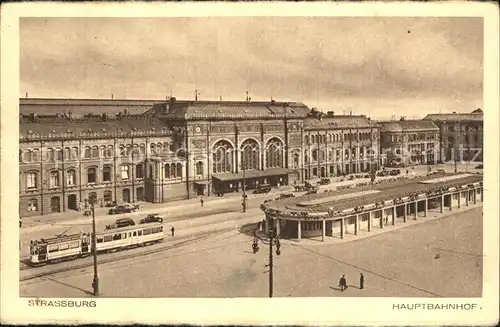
330	113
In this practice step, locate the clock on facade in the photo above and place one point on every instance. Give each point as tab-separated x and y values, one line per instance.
197	129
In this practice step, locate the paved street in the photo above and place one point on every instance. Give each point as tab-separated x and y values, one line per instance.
400	263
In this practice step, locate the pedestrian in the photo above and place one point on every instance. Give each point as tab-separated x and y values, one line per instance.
386	220
361	281
172	230
406	171
201	201
343	283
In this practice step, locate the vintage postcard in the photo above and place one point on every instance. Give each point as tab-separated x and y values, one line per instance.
250	163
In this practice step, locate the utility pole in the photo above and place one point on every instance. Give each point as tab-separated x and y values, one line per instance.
244	196
271	234
95	282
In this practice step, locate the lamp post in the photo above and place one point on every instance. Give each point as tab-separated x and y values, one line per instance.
272	239
95	282
244	196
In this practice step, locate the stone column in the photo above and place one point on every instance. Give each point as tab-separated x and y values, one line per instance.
394	216
426	208
342	226
482	192
323	233
475	195
459	198
356	225
451	201
278	227
370	221
299	230
381	218
467	198
406	212
416	210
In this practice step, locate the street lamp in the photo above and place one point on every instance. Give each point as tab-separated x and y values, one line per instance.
244	196
95	282
272	239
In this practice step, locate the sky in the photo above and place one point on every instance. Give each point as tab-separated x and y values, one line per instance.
378	66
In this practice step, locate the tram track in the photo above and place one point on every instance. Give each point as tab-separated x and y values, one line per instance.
135	254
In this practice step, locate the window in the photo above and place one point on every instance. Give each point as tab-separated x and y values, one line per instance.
108	196
106	174
167	171
152	149
50	155
35	157
26	156
54	179
139	171
103	151
199	168
67	153
95	152
315	155
59	155
70	177
31	180
127	150
125	172
274	153
91	175
222	157
250	155
306	139
315	172
33	205
142	149
87	152
109	151
179	170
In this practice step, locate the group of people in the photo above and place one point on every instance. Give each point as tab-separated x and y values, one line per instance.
343	282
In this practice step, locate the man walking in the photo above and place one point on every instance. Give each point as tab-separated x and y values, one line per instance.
343	283
201	201
361	281
172	230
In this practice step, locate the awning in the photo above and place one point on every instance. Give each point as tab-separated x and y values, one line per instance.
252	174
202	182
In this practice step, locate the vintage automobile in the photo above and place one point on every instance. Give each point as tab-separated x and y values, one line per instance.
122	222
263	188
125	208
324	181
152	218
395	172
300	188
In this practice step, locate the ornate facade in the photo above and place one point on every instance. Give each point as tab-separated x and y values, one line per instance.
409	142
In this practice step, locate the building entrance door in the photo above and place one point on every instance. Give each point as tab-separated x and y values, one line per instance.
55	204
126	195
72	202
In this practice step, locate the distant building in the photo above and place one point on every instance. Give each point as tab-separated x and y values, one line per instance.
409	142
461	135
339	144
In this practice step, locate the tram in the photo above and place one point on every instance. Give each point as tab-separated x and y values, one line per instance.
70	247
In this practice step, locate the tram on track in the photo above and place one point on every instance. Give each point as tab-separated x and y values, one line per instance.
70	247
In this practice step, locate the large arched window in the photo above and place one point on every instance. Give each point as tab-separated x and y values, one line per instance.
172	171
250	155
54	178
222	157
274	153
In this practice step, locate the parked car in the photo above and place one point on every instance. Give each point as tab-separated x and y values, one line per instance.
300	188
263	188
395	172
286	195
123	222
125	208
324	181
152	218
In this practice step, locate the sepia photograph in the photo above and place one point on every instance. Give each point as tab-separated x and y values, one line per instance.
253	157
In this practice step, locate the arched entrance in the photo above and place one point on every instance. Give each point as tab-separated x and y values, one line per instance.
55	204
72	203
126	195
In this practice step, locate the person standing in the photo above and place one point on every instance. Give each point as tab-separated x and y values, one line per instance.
172	230
361	281
201	201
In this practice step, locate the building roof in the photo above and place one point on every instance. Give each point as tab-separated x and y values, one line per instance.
407	126
53	127
338	122
386	192
206	110
80	107
455	117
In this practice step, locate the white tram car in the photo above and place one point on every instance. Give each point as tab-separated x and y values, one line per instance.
70	247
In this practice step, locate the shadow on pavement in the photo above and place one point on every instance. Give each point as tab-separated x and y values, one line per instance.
248	229
68	285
